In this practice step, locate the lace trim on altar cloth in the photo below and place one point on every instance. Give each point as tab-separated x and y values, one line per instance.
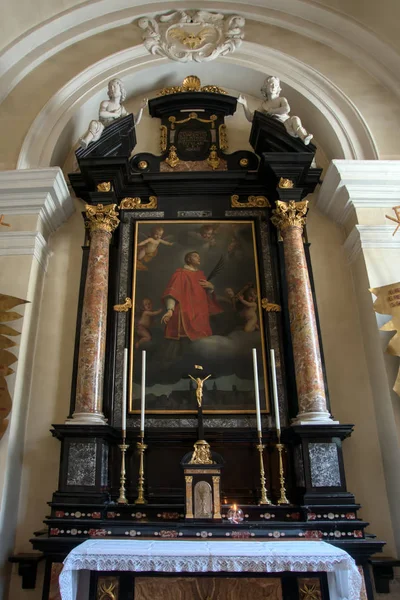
201	557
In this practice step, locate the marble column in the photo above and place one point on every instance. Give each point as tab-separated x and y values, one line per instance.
289	218
101	221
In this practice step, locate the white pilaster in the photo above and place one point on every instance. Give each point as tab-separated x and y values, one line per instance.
36	202
354	194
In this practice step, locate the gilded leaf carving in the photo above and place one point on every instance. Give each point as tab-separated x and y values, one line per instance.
9	316
6	330
7	302
6	343
7	358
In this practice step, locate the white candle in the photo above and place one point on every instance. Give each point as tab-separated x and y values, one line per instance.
275	390
257	391
143	394
124	391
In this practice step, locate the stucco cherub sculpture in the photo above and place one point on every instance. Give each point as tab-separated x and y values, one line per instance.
110	110
278	107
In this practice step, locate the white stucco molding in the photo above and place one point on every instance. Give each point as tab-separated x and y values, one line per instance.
370	236
41	192
25	243
349	185
340	123
318	23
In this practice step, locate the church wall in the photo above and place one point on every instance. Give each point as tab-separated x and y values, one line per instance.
368	273
21	276
350	392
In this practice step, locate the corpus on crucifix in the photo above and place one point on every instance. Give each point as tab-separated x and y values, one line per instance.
199	397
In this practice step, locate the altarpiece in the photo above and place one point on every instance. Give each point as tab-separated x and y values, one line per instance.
198	256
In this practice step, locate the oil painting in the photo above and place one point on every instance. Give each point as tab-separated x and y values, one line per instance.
196	301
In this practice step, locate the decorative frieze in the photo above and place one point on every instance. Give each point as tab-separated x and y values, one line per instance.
188	35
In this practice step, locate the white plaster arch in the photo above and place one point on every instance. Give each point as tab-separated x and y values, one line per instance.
326	26
325	109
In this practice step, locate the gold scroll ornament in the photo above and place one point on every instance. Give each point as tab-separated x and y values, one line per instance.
105	186
125	307
388	303
270	306
252	201
7	358
285	183
136	203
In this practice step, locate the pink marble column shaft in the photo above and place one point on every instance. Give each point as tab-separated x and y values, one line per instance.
90	378
290	219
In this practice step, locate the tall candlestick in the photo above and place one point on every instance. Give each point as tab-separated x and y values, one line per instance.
257	391
124	391
143	394
275	391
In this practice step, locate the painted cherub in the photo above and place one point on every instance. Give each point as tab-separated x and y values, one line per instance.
145	321
230	294
249	312
148	248
206	235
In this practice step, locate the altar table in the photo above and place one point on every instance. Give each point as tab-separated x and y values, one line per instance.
179	556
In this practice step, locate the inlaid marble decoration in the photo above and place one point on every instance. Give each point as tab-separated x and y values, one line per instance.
219	422
54	591
189	588
324	464
363	594
82	463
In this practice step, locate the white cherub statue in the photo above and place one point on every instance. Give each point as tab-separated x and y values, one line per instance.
109	111
278	107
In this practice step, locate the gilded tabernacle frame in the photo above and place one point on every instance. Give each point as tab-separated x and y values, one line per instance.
196	301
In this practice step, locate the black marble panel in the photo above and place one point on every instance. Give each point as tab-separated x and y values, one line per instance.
194	214
324	464
82	463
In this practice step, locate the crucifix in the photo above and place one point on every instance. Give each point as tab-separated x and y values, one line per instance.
199	397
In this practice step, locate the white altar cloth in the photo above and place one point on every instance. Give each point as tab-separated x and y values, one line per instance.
179	556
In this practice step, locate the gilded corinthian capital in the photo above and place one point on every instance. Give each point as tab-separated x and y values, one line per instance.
289	214
102	218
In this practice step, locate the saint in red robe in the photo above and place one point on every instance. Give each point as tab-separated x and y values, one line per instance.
194	305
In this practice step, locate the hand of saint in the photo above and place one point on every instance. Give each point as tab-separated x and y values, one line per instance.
206	284
166	317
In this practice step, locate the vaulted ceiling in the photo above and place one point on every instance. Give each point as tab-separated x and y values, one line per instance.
381	18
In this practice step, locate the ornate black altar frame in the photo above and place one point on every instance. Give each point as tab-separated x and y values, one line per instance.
243	186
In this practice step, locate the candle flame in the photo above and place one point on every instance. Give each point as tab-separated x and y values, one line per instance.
234	507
